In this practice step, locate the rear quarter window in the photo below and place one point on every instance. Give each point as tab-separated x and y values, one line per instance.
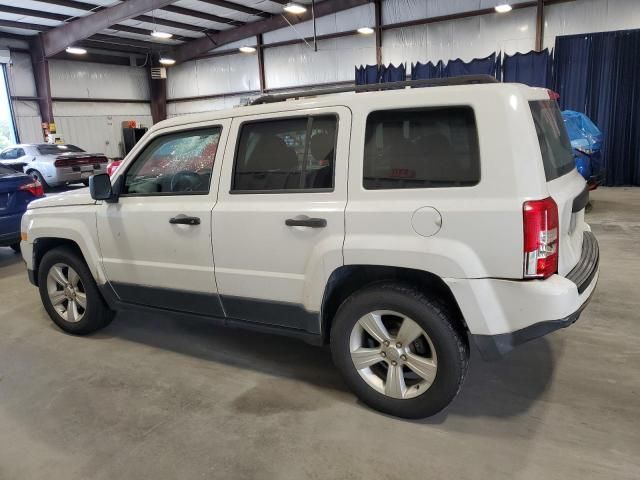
555	147
421	148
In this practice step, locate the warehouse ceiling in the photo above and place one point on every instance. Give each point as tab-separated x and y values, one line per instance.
186	20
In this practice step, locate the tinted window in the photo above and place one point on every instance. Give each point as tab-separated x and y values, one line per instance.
57	149
179	163
555	146
421	148
287	154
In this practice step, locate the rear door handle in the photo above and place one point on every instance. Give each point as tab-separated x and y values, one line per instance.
306	222
184	220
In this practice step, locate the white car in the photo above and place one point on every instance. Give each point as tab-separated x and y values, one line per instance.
54	164
397	226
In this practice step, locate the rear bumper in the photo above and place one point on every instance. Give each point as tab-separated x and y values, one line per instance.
10	229
502	314
7	239
493	347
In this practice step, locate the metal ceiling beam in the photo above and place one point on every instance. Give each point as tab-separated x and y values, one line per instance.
33	13
201	15
144	31
197	47
57	39
74	4
147	46
24	25
237	7
170	23
115	47
87	7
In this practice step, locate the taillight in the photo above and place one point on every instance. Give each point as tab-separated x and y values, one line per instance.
34	188
541	238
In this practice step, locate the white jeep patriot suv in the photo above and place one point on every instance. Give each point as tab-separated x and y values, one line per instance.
398	226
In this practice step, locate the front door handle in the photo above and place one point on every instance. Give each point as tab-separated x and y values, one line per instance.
184	220
306	222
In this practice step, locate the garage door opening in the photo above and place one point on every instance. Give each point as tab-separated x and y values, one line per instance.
7	124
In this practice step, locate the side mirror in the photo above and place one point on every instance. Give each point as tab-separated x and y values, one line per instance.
100	187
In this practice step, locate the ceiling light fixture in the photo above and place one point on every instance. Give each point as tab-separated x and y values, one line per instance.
76	50
247	49
163	35
504	8
167	61
294	8
365	30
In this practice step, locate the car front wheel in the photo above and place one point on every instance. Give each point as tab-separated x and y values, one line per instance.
401	352
69	293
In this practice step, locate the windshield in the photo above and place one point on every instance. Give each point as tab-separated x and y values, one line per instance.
58	149
555	147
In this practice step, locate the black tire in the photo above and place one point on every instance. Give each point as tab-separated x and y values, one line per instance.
85	183
448	338
15	247
38	176
97	314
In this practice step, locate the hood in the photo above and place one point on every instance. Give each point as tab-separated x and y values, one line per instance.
65	199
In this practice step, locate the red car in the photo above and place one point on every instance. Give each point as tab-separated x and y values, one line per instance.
113	166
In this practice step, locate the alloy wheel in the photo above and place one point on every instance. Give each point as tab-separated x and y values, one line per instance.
393	354
66	293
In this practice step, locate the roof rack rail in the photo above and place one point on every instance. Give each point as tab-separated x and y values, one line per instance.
432	82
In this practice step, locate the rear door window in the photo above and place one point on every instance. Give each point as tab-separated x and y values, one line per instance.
555	146
421	148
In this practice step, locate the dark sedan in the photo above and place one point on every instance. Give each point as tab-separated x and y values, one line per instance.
16	191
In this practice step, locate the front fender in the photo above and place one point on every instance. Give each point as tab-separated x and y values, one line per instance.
74	223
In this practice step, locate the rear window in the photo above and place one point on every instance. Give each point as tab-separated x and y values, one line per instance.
57	149
555	146
421	148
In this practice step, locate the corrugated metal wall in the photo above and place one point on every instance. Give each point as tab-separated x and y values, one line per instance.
22	84
97	127
297	65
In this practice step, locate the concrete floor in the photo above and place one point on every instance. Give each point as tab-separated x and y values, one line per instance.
154	398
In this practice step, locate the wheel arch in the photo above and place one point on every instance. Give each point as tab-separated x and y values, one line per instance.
43	245
348	279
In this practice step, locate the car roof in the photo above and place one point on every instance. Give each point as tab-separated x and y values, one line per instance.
349	99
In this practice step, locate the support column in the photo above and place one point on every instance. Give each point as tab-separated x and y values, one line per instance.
157	93
261	77
539	25
41	75
378	30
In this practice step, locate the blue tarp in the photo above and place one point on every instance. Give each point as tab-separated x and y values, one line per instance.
583	133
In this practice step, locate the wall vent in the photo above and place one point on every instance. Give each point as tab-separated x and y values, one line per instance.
158	73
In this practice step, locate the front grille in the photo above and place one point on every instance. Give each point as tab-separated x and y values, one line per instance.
587	266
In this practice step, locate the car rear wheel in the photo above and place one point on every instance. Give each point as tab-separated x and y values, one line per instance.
38	176
69	293
401	352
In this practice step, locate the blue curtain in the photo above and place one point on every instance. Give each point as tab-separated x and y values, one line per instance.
599	75
533	68
423	71
367	74
393	73
476	66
